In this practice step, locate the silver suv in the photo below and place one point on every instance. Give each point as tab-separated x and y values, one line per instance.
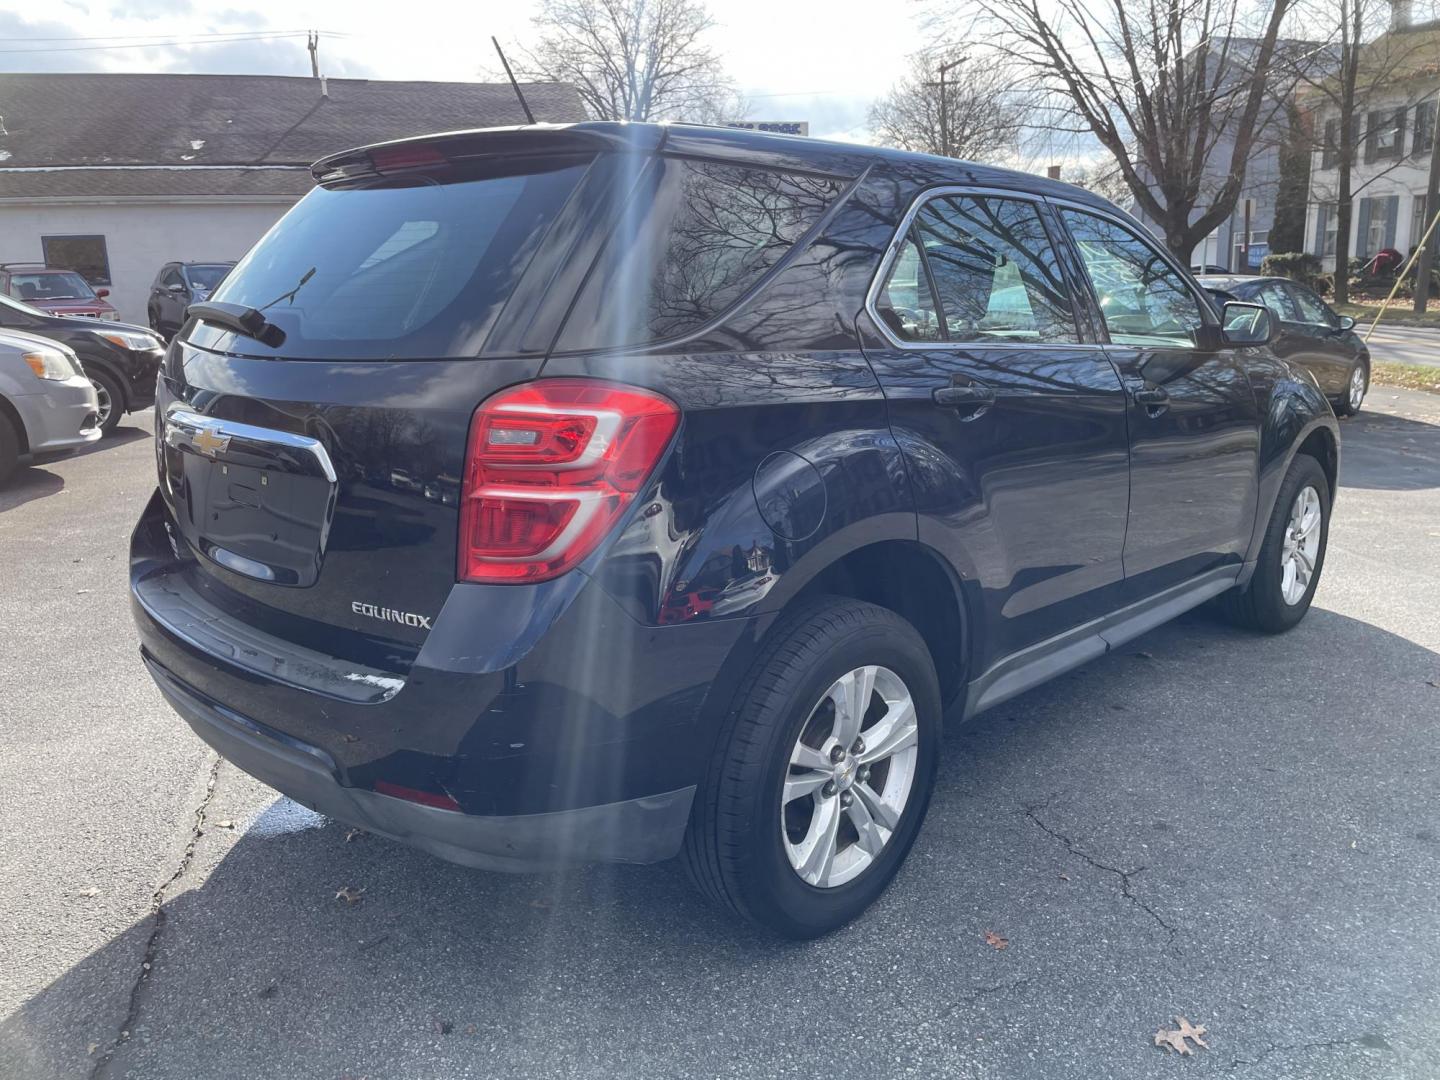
47	406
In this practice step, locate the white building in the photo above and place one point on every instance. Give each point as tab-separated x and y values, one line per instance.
1400	83
114	175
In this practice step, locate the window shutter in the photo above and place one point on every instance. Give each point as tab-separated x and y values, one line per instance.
1362	234
1372	135
1400	131
1391	204
1322	223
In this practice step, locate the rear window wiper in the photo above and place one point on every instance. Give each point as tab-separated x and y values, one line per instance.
239	318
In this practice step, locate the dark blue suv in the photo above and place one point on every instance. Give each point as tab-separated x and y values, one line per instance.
618	492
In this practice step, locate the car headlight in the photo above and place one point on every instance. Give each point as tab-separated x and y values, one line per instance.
131	340
50	364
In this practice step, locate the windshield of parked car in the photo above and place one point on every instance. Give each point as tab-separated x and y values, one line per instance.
396	269
206	275
51	285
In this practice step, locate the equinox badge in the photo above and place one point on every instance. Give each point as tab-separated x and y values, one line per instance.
385	614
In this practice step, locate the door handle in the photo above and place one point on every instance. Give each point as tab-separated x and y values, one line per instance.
1152	397
955	397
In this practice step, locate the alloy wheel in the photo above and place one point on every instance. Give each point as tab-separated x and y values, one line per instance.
1357	387
104	404
1302	546
850	777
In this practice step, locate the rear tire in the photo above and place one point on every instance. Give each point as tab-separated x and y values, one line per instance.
1276	599
758	807
9	451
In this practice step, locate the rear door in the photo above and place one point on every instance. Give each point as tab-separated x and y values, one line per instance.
314	481
1194	425
1013	419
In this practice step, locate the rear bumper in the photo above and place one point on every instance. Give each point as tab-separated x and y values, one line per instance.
643	830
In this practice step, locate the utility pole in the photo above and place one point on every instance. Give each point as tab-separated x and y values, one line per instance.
945	106
312	42
1432	190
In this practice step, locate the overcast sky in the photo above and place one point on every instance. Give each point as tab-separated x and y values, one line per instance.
818	61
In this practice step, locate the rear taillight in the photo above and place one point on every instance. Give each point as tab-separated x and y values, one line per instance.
550	467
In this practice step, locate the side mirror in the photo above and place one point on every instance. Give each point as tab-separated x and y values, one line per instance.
1248	324
1346	323
102	293
176	287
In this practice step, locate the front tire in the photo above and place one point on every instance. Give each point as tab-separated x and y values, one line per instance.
9	451
111	399
823	771
1291	556
1356	388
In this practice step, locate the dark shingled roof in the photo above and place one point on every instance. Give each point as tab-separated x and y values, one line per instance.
111	119
160	181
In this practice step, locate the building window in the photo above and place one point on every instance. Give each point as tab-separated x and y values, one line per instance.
1330	149
1377	224
85	254
1325	230
1385	133
1424	136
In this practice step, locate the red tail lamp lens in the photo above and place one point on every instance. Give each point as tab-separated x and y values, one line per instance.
398	158
551	465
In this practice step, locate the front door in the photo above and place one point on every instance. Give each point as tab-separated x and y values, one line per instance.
1013	422
1328	351
1194	424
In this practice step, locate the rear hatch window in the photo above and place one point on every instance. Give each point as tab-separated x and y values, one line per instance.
397	268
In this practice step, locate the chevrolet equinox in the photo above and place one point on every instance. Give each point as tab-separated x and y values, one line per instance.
618	492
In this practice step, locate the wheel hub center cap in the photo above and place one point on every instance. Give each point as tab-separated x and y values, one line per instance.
845	773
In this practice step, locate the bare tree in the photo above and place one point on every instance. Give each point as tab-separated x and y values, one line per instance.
979	115
1100	176
1367	60
633	59
1161	85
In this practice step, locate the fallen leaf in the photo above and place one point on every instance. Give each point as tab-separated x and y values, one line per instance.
1175	1040
469	1029
225	824
354	834
350	894
1142	655
1432	682
1064	877
93	1046
88	893
443	1027
995	941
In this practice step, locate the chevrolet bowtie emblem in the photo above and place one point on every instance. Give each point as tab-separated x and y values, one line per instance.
210	442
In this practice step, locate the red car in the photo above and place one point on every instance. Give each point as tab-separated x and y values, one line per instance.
55	290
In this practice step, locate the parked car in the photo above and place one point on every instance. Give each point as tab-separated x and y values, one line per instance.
120	360
48	408
1312	335
176	287
55	290
784	355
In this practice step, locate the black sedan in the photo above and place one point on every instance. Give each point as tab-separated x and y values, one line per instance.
1311	334
120	360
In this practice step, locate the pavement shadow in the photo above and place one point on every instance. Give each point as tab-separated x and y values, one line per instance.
1196	754
124	434
1384	452
29	484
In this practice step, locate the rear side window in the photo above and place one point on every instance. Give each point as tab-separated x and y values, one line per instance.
992	272
696	238
399	269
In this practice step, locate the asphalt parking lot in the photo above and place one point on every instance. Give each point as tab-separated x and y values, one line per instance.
1241	831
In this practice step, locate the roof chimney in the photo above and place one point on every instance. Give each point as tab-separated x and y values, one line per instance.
324	87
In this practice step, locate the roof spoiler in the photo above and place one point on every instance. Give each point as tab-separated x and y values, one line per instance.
426	151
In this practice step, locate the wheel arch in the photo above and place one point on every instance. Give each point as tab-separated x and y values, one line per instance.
90	360
12	415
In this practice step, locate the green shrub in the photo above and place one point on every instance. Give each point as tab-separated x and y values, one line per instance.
1298	265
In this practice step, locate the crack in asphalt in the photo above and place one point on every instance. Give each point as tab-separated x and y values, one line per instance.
978	993
1293	1048
158	918
1126	889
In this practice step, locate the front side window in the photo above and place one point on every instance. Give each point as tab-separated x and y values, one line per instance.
1143	299
1275	297
1312	309
992	273
51	285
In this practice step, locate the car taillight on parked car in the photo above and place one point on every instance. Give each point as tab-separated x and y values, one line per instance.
550	467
